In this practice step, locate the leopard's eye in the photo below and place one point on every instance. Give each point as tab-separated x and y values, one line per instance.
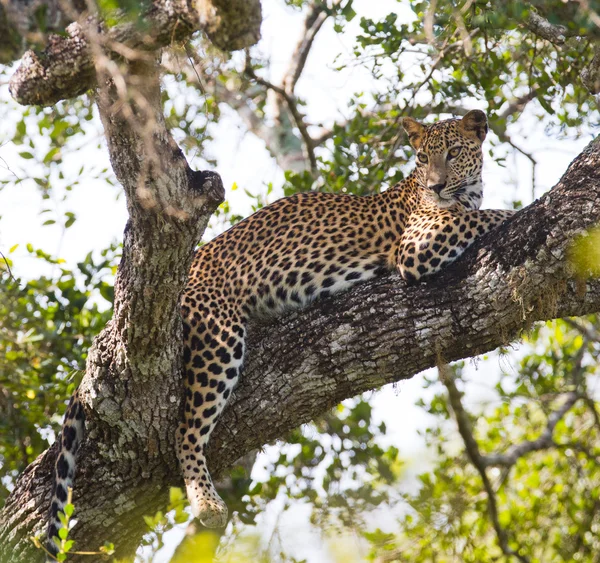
454	152
423	158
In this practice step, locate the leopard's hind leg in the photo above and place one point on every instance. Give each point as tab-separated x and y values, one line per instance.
213	355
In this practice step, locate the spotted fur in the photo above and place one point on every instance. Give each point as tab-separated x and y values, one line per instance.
311	245
300	248
70	439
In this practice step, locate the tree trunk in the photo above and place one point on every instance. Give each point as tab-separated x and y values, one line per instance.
298	366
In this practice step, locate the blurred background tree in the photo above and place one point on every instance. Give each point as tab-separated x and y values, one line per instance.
512	469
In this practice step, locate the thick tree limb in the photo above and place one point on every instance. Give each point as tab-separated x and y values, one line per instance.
65	68
132	382
300	365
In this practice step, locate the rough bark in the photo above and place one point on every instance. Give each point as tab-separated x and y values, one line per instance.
132	385
65	69
27	21
297	366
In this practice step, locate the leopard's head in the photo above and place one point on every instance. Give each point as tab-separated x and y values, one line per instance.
449	158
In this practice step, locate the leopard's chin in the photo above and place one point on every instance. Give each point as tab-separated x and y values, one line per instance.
439	200
445	203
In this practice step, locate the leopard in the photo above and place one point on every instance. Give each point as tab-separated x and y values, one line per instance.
300	248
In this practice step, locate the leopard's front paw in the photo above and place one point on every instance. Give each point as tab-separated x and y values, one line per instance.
409	277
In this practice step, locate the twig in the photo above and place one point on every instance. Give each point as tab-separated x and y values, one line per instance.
586	330
579	448
505	138
194	61
557	35
316	16
326	135
8	267
444	49
517	105
7	166
545	440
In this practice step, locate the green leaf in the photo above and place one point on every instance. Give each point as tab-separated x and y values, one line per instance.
70	219
108	548
175	495
51	155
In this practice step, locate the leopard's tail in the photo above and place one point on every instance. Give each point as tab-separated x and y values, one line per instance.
70	439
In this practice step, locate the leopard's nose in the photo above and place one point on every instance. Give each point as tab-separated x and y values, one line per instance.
437	188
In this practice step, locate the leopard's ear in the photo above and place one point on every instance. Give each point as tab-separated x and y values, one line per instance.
415	131
474	124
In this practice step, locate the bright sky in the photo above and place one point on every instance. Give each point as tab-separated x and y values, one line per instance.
243	160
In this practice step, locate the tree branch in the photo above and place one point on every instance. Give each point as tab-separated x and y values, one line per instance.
558	34
283	145
315	18
65	68
543	442
290	152
517	105
132	385
298	117
285	148
555	33
302	364
20	25
471	447
590	75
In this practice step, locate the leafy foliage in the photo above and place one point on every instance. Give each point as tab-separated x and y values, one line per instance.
64	545
544	493
46	327
442	59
